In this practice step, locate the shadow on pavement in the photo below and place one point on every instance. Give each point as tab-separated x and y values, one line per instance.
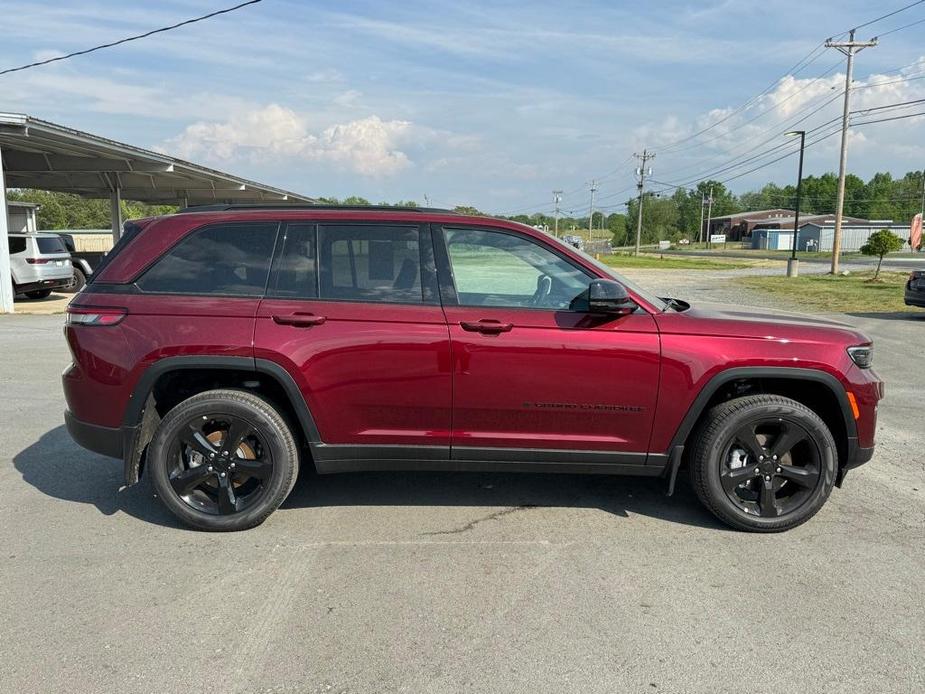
58	467
910	316
620	496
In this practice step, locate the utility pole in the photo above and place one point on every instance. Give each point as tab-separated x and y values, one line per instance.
703	203
642	172
557	197
709	215
591	210
850	48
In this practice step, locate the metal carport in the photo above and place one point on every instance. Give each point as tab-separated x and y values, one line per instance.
38	154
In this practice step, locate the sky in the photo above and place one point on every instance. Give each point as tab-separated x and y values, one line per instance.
490	104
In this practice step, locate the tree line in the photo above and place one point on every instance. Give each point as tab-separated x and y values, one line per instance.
667	214
675	214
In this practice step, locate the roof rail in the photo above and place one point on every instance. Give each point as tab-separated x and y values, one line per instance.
225	207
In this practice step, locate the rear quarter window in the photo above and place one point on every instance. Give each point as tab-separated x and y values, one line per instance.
225	259
17	244
50	245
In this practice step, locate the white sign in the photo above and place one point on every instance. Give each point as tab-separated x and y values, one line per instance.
664	245
717	238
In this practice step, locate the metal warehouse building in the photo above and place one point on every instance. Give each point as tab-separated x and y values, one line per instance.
817	236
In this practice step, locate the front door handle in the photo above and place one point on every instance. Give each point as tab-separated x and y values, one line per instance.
300	320
486	326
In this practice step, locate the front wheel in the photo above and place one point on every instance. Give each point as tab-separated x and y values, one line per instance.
223	460
763	463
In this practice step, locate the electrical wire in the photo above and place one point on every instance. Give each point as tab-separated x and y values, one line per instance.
887	15
905	26
129	38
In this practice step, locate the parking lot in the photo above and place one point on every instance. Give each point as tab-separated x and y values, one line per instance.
426	582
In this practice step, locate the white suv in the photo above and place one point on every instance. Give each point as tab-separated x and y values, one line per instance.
40	263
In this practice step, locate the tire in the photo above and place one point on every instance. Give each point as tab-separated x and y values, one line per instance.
78	282
209	485
38	294
736	476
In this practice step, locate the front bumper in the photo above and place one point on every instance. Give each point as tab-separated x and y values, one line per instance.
915	297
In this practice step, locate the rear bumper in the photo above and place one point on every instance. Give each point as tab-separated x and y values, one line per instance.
43	284
106	441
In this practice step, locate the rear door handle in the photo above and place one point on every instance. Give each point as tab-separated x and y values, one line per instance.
300	320
486	326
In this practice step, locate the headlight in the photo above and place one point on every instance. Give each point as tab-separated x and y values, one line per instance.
862	355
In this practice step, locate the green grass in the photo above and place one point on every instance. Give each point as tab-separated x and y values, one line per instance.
673	262
842	294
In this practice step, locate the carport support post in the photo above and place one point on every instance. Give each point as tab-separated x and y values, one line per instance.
115	213
6	276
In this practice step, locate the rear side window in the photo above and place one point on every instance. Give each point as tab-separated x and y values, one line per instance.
17	244
378	263
227	259
50	244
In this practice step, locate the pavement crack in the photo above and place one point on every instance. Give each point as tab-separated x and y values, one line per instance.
491	516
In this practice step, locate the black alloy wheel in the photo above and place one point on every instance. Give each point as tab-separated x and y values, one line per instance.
220	464
223	460
771	467
763	463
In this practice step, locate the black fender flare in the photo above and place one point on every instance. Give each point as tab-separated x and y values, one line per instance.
138	423
721	379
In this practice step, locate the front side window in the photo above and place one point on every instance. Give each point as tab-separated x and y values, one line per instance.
378	263
493	268
230	259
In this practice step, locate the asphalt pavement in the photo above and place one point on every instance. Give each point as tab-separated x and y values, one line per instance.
403	582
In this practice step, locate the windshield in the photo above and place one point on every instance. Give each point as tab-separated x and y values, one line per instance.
645	294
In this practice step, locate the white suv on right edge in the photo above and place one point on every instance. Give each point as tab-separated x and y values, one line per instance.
40	263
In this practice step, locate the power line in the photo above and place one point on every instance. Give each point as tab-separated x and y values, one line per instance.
887	15
905	26
802	64
884	120
130	38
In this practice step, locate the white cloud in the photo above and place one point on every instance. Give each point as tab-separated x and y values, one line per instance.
722	143
368	146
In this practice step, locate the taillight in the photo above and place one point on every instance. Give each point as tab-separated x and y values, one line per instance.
95	316
37	261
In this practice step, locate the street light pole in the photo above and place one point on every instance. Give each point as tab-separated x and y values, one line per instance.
793	265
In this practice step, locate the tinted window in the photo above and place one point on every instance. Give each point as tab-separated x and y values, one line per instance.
296	273
492	268
17	244
231	259
50	244
370	263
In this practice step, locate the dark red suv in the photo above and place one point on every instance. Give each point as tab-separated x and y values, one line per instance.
217	350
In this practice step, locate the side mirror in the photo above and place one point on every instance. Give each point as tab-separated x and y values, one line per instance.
609	297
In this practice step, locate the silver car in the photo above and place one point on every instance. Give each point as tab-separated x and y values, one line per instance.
40	263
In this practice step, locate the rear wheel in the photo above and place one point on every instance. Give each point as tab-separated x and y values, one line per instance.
78	282
763	463
223	460
38	294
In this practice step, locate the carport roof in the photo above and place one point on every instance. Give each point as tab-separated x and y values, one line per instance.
47	156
